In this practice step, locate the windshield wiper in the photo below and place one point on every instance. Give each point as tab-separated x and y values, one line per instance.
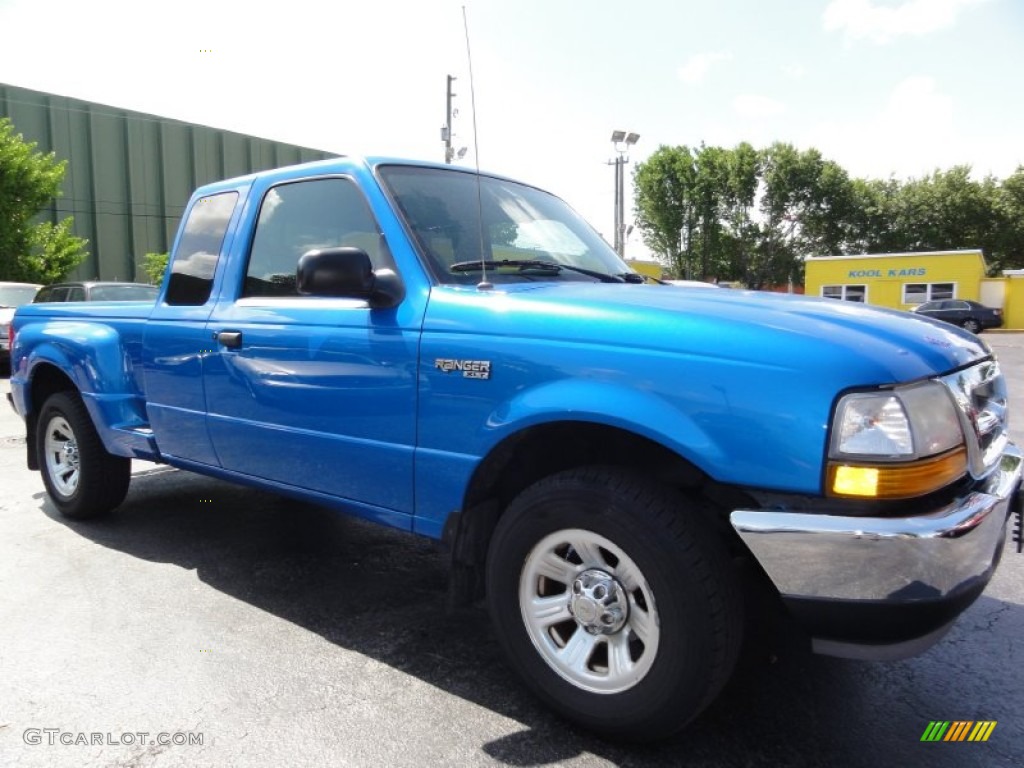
551	266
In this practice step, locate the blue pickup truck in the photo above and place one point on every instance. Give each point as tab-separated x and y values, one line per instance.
615	467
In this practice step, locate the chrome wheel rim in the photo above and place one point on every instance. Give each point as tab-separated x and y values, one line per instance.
62	459
589	611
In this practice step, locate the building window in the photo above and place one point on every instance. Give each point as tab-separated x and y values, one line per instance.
858	293
919	293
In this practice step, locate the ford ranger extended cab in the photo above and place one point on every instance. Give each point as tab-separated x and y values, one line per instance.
610	464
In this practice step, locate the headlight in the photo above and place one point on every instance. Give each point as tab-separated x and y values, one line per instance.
895	444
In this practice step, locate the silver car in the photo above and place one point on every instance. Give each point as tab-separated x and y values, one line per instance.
12	296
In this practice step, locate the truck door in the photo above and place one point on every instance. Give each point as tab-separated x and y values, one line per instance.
176	341
312	392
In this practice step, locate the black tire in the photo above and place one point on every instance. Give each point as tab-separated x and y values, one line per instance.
972	325
687	575
86	486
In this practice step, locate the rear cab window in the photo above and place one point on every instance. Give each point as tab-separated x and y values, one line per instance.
195	261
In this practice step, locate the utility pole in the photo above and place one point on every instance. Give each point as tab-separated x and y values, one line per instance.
446	129
621	141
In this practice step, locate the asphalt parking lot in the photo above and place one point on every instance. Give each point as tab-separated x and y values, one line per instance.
281	634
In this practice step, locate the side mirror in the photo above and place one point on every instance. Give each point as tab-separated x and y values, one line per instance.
347	272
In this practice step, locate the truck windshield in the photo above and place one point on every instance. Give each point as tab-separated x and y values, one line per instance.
518	233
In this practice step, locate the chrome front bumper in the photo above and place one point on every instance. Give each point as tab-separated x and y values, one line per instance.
934	564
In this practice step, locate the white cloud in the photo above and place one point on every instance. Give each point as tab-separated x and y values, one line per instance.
914	133
794	71
878	23
697	66
916	99
754	106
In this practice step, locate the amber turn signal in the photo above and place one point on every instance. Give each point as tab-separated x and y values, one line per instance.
896	481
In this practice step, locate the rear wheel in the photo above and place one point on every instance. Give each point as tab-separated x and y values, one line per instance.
972	325
81	478
614	601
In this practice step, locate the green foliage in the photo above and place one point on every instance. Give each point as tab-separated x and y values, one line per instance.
504	234
29	181
155	265
1008	245
754	215
664	209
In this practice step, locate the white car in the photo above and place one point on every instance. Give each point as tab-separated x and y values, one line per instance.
692	283
12	296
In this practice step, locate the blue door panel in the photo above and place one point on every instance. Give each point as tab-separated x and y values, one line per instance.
176	405
319	395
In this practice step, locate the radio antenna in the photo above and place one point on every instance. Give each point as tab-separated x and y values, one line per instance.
483	285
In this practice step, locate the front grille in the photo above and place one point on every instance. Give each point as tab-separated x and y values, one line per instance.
980	393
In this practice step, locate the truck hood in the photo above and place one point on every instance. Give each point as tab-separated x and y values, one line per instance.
863	345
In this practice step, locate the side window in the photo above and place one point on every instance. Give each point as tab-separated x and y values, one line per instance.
919	293
303	216
915	293
195	260
76	293
858	293
59	294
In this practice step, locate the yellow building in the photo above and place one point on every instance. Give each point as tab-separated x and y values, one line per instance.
648	268
903	280
1013	305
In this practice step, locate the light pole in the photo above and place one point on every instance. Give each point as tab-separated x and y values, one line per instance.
621	141
446	129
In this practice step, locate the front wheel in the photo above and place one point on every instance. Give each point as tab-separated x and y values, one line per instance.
614	601
81	478
972	325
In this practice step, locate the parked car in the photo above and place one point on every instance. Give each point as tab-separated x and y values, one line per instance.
692	283
12	296
969	315
98	291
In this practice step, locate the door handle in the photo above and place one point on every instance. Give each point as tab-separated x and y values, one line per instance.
230	339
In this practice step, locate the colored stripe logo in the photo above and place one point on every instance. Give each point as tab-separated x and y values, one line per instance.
959	730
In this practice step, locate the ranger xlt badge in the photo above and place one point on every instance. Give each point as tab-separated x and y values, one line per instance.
471	369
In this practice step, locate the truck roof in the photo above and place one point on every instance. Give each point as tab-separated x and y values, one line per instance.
341	164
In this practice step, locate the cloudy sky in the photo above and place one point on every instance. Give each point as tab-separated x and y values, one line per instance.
884	87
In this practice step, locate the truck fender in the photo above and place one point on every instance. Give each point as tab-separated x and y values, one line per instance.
92	356
618	405
626	409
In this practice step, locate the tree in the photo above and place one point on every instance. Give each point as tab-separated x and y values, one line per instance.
154	265
664	208
945	210
1008	251
871	226
755	215
804	201
40	252
942	211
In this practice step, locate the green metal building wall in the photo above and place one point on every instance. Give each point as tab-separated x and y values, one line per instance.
129	174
